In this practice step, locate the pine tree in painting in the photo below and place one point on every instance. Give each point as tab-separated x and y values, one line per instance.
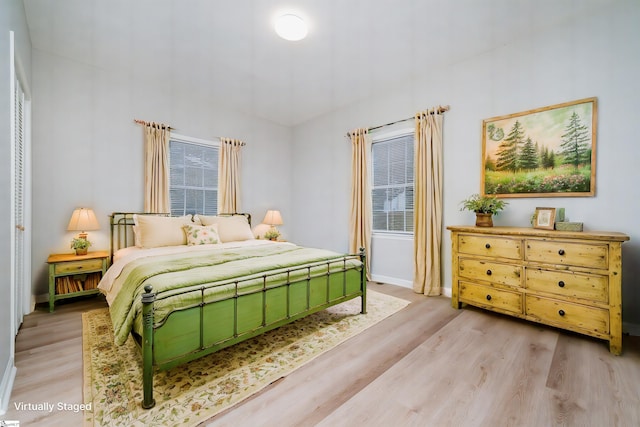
575	147
528	157
507	152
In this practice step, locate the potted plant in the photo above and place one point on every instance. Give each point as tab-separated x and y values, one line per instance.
484	207
80	245
272	234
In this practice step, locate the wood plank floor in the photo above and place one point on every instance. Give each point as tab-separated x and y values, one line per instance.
427	365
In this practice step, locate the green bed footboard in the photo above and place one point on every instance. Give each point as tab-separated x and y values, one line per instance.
192	332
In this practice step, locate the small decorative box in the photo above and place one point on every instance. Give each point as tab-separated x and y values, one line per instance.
569	226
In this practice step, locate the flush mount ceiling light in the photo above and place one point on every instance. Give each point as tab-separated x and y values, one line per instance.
291	27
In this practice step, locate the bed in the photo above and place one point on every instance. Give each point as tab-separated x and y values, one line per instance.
185	287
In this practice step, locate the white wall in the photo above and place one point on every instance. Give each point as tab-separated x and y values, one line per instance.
596	55
386	265
87	151
83	115
13	19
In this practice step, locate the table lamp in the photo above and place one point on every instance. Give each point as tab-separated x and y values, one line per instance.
272	218
82	220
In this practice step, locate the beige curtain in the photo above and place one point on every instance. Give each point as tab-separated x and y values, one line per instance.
360	218
229	175
156	167
427	220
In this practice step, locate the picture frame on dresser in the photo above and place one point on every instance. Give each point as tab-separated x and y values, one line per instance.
544	218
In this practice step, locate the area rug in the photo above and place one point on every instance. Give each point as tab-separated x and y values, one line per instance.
194	392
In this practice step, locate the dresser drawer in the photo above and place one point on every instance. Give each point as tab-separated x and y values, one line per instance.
490	246
592	255
78	266
567	284
488	297
494	272
567	315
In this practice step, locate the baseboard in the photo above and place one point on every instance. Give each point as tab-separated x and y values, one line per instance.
631	329
392	281
41	298
6	385
404	283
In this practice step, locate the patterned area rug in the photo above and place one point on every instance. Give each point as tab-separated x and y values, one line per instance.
194	392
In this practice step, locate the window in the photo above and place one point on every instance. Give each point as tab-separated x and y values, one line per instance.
193	179
392	189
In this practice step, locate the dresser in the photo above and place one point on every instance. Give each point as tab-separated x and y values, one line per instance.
569	280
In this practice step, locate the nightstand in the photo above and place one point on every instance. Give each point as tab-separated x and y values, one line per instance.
73	275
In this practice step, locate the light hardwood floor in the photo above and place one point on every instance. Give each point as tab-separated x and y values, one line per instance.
427	365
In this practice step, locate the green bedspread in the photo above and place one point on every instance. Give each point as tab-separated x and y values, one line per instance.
171	274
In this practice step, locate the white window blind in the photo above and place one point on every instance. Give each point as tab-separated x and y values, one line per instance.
193	180
392	187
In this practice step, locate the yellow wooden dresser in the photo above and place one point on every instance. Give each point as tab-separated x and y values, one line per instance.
570	280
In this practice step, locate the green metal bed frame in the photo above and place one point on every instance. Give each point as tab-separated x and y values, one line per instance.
194	331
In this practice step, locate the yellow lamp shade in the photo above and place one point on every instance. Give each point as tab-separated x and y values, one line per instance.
82	220
273	217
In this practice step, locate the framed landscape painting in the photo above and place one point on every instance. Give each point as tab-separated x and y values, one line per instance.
546	152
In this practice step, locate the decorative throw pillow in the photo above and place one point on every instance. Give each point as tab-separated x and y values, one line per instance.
202	234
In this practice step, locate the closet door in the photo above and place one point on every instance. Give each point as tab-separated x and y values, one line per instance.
20	246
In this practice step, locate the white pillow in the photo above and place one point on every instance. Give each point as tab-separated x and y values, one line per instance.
201	234
136	236
230	228
153	231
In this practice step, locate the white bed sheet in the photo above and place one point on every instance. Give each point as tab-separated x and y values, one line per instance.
124	256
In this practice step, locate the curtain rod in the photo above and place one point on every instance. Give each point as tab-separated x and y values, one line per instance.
438	109
143	122
391	124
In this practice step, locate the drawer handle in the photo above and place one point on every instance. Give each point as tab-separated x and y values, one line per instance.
561	284
561	312
488	297
561	252
488	272
488	246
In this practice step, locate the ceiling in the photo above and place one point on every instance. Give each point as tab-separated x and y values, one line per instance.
355	48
